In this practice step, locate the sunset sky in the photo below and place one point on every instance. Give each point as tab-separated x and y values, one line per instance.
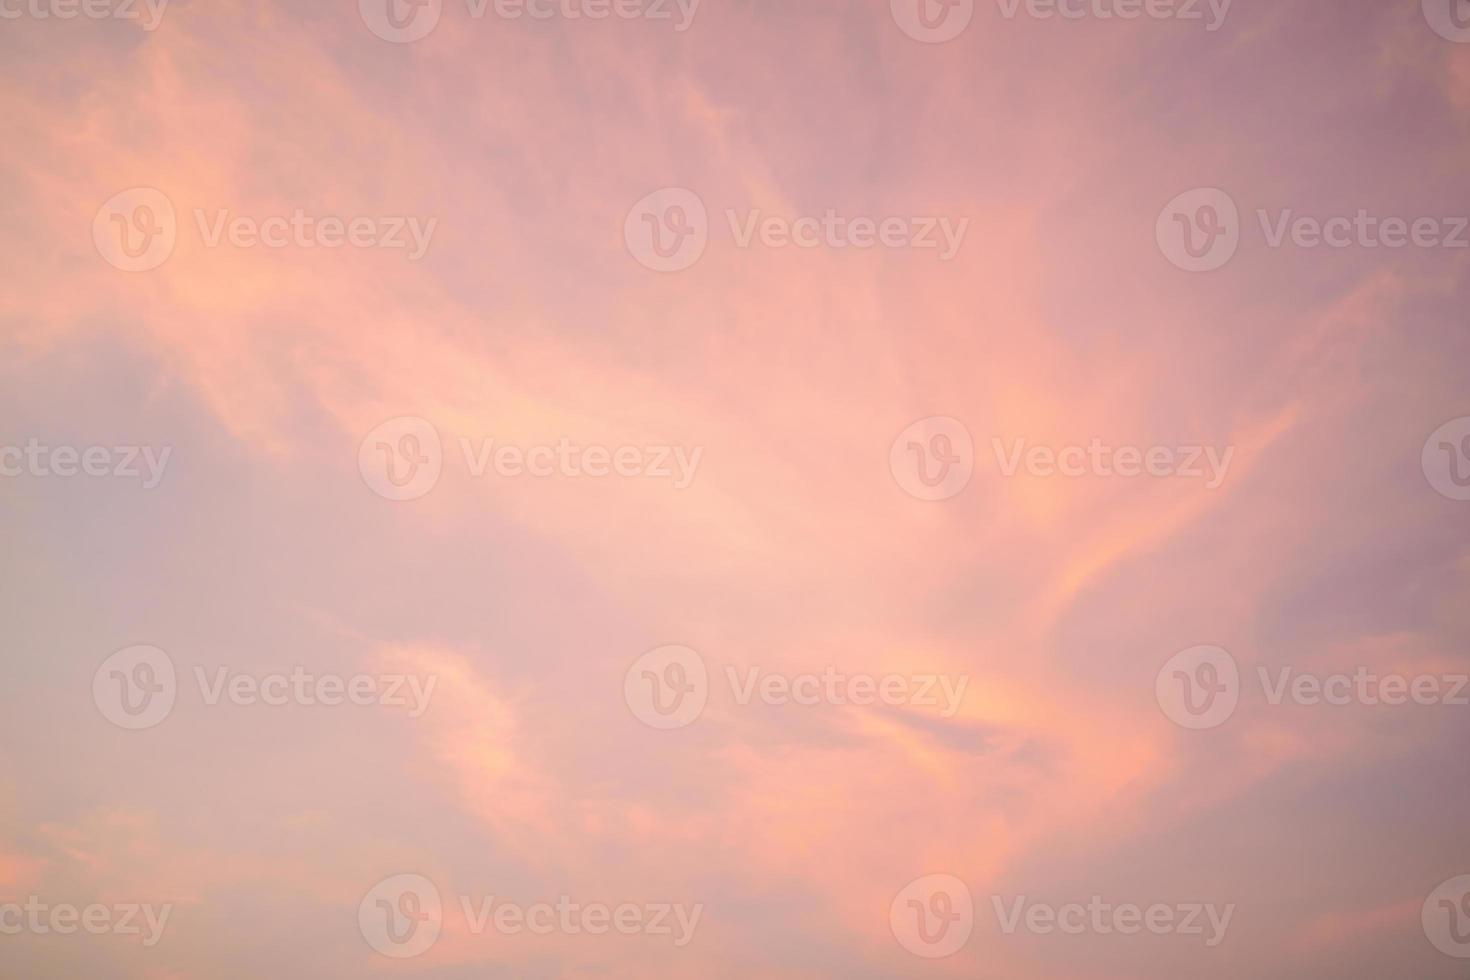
551	369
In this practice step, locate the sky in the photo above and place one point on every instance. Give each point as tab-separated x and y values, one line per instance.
657	489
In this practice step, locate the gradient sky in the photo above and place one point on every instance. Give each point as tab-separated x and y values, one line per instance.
1060	320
